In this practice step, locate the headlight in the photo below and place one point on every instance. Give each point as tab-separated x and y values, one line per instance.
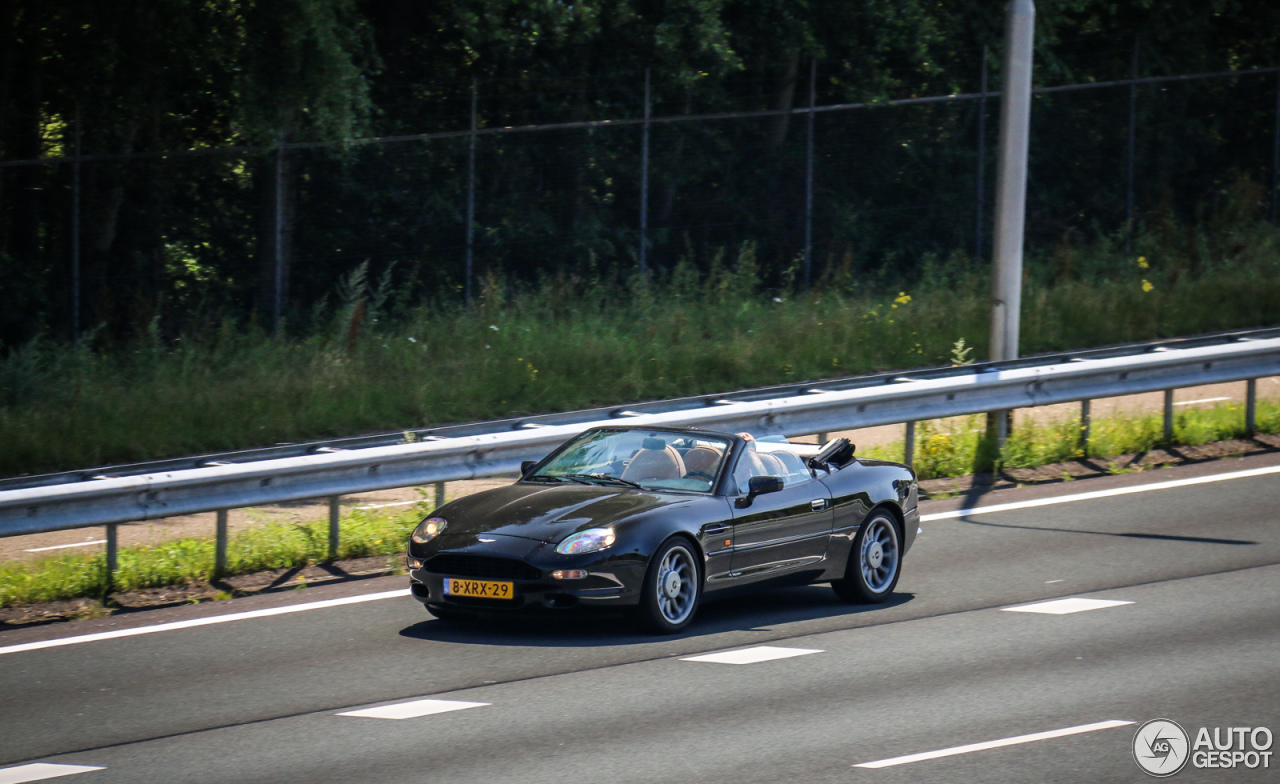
588	541
429	529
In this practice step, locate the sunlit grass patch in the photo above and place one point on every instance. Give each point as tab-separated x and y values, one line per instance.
949	448
271	545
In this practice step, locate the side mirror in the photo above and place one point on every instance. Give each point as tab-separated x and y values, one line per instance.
526	467
759	485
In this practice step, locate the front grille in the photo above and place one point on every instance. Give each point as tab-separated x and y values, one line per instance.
482	567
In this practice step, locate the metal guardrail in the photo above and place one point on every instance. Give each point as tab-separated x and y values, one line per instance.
150	496
689	403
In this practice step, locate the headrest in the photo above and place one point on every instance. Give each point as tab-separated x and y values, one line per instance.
654	443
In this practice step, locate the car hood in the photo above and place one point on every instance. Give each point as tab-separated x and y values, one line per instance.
549	513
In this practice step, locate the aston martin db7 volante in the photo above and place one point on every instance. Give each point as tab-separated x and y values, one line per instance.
654	519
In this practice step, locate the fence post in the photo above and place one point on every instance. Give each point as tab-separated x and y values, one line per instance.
1132	150
644	183
439	494
808	179
909	445
1275	156
1168	416
220	547
982	160
334	517
1251	407
113	556
75	236
278	233
1086	422
471	195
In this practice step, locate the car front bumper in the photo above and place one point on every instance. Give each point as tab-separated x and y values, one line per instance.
612	588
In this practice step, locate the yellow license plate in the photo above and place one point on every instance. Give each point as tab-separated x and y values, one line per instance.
483	589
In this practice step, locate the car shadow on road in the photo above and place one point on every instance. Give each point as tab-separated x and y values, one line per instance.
757	612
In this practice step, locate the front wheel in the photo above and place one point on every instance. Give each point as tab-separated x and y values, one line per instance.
874	562
672	588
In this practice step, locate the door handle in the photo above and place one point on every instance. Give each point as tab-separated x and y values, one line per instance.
818	504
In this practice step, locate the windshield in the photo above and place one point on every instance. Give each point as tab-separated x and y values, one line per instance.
645	459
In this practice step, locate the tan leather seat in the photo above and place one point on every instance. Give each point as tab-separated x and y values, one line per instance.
772	465
791	463
703	459
655	464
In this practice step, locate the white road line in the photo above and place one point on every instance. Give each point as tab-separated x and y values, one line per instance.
39	771
994	744
1064	606
64	546
1203	400
384	506
760	653
1065	499
165	627
412	710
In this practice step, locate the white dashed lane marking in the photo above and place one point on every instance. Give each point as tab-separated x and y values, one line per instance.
412	710
761	653
39	771
1065	606
993	744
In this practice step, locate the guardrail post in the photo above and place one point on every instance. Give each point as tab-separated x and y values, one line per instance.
1086	420
1251	407
822	439
113	556
1168	416
439	494
334	516
909	446
220	547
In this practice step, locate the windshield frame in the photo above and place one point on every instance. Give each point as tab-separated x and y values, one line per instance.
732	445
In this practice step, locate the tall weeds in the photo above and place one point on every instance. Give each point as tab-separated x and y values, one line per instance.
378	362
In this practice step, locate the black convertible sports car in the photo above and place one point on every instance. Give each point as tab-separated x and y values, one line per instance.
654	518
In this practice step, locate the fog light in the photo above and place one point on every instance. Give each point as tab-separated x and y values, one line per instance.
568	574
414	563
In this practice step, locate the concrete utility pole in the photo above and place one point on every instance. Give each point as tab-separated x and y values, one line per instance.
1011	188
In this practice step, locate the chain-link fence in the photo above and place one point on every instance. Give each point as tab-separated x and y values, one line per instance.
512	188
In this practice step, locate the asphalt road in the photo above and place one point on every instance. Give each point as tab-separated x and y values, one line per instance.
1197	640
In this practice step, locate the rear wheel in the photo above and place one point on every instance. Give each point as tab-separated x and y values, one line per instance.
875	562
672	588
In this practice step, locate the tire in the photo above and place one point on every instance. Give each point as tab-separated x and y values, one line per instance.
875	562
672	588
451	615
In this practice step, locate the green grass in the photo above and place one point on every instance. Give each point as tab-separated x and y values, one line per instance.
264	547
576	342
950	448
